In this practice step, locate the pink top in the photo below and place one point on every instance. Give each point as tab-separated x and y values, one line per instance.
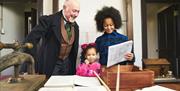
87	69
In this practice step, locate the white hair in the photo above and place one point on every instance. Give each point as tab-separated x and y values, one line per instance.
69	2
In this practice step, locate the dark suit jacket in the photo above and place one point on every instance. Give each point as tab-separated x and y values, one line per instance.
48	30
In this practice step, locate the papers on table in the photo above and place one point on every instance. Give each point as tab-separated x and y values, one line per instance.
77	88
56	89
116	52
72	83
60	81
156	88
86	81
72	80
95	88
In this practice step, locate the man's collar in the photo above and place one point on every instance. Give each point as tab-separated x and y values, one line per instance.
64	17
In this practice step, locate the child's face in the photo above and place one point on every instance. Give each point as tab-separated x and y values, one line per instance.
108	25
91	55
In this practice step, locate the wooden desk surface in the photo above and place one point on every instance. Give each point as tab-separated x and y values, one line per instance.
30	83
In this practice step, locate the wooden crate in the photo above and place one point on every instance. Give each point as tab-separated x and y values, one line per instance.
159	66
128	79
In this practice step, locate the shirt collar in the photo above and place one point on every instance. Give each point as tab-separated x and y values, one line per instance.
113	33
65	19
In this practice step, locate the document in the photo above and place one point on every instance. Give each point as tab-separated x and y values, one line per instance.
56	89
71	81
95	88
86	81
156	88
60	81
116	52
77	88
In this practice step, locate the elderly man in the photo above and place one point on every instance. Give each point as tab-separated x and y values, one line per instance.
60	39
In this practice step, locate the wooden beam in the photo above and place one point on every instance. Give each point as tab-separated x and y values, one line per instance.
55	6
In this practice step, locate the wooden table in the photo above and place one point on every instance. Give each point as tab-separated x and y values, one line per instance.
30	83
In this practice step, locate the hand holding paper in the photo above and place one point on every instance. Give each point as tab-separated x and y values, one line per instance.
128	56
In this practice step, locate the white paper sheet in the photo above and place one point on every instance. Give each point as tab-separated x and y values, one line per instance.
56	89
77	88
71	81
116	52
86	81
156	88
94	88
60	81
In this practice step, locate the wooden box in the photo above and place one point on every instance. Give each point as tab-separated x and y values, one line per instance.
129	79
159	66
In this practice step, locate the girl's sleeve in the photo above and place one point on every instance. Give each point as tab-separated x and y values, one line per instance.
95	67
81	70
98	66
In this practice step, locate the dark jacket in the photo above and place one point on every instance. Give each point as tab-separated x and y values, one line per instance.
48	30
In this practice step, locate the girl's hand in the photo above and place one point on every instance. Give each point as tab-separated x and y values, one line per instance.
129	56
86	61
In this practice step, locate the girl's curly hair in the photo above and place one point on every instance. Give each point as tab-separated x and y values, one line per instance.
85	48
108	12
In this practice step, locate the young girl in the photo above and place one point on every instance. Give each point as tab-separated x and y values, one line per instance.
107	21
90	62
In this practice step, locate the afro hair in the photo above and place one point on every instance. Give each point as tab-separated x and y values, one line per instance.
107	12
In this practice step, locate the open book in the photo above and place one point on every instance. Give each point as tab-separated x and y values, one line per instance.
77	88
116	52
71	81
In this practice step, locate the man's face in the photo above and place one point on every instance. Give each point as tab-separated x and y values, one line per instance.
71	11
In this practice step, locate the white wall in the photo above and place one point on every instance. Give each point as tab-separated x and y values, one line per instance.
137	30
47	7
13	25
